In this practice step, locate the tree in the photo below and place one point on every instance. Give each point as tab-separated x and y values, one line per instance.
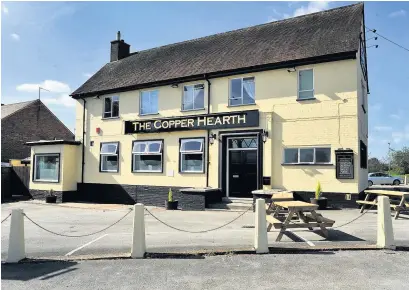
400	160
376	165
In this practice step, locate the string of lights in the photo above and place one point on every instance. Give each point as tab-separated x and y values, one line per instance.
374	31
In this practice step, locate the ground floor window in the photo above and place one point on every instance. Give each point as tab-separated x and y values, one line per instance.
147	156
191	155
318	155
109	157
47	167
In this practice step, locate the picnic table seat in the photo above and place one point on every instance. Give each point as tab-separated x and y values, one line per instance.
328	222
274	221
398	206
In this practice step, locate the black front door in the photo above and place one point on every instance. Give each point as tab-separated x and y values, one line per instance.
242	167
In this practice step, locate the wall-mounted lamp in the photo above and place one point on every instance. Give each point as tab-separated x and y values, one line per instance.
212	137
174	85
264	136
291	69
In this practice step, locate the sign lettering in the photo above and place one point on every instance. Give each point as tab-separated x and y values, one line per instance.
196	122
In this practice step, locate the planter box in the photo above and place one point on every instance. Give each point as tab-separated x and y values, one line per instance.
171	205
51	199
322	202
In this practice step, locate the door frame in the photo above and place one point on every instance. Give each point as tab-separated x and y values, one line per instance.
223	156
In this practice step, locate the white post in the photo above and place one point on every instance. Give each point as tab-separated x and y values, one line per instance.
385	237
260	231
406	179
16	239
138	237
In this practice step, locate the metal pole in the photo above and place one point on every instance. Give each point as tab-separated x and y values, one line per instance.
389	157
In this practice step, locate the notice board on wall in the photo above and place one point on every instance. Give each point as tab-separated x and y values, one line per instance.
344	164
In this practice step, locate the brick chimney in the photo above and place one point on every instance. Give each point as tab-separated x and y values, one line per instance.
119	48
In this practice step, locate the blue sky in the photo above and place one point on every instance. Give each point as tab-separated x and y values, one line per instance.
60	44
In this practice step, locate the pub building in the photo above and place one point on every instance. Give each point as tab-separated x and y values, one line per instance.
278	105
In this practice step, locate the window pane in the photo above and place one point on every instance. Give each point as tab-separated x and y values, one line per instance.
154	147
109	148
154	102
107	105
145	104
248	91
243	143
306	80
192	162
235	92
306	155
191	145
306	95
291	155
198	97
47	167
138	147
188	98
115	106
322	155
147	162
109	162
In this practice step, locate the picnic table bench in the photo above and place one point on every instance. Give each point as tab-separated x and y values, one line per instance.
401	206
298	208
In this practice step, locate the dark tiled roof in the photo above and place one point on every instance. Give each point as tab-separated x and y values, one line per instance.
9	109
319	34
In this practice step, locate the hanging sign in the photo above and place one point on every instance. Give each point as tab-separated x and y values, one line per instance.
344	164
196	122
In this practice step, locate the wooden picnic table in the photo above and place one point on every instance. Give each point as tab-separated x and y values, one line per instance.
271	194
403	202
298	208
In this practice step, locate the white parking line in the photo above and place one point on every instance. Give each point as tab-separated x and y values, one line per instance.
305	240
83	246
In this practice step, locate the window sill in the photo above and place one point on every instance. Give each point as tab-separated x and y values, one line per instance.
192	110
47	181
306	99
307	164
241	105
150	114
108	171
191	172
110	118
147	171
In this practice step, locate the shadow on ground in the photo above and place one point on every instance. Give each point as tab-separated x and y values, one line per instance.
28	271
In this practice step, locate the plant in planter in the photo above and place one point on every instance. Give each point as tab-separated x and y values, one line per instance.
322	202
51	198
170	203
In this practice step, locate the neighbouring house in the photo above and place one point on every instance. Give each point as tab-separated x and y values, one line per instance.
28	121
277	105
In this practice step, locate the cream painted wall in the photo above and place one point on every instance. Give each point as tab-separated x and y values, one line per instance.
330	120
68	173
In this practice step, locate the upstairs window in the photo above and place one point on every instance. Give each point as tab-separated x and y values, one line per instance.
109	157
111	107
363	154
305	84
318	155
147	156
149	102
193	97
191	155
242	91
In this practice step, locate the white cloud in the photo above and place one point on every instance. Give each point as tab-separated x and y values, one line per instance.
375	107
64	100
395	116
15	36
52	86
397	13
312	7
87	75
4	9
397	137
383	128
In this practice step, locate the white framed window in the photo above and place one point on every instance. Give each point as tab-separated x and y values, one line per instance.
242	91
47	167
193	97
147	156
306	84
307	155
149	102
111	107
191	155
109	157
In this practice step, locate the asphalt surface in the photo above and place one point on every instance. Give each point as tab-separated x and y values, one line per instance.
116	241
324	270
